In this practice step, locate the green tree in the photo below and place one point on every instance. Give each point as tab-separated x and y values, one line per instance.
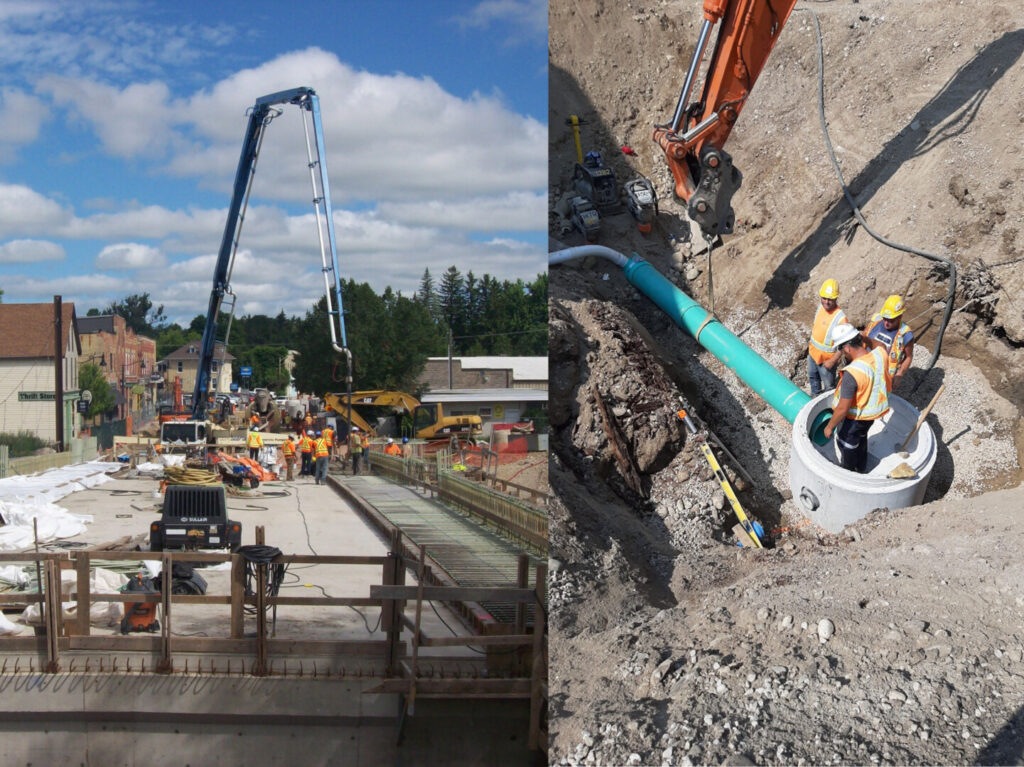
172	337
136	310
91	378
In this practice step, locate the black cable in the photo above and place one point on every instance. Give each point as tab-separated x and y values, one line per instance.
856	210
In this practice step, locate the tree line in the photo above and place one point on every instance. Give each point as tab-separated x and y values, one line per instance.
389	335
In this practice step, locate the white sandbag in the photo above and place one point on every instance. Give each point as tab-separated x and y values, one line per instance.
101	581
6	627
14	574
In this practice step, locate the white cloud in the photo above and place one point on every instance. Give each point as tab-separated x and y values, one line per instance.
21	116
515	211
29	251
387	136
129	121
523	19
25	211
130	255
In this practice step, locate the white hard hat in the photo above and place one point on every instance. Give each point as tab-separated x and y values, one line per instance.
355	428
845	332
390	440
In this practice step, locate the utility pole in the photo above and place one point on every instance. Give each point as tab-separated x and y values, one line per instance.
450	358
58	368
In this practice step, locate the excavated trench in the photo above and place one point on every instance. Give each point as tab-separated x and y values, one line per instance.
655	610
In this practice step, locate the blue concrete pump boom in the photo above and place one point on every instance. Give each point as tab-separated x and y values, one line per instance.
260	116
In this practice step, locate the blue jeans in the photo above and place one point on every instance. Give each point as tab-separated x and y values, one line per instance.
321	469
820	377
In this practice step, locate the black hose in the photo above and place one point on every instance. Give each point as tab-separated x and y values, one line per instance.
856	210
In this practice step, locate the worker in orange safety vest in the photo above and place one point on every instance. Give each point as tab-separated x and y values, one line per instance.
306	448
254	441
861	398
322	456
822	354
288	451
329	437
355	448
888	331
392	449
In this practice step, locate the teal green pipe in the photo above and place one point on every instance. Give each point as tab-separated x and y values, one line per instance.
767	382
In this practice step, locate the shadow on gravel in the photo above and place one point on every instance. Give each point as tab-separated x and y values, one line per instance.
945	116
1007	747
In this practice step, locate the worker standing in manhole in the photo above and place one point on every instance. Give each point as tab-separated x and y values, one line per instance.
822	355
861	397
888	332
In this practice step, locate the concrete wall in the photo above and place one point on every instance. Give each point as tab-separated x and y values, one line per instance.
145	720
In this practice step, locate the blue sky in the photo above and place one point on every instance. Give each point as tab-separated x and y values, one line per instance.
121	124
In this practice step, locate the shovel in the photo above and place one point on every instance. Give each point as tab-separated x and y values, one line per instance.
905	470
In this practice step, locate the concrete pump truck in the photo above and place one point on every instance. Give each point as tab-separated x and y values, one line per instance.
193	433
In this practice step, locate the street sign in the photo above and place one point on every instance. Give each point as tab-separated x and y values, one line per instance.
86	396
245	371
234	386
83	406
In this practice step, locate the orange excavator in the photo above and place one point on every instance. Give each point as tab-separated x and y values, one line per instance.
692	141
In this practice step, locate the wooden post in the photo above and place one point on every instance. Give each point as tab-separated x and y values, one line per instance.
237	596
53	615
390	620
416	630
538	677
84	594
166	571
523	582
58	369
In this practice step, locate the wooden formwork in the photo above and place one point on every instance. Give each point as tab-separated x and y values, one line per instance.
401	667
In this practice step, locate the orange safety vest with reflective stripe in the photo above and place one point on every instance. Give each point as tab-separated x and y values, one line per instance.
329	436
393	449
364	440
306	444
825	324
321	448
254	439
896	353
872	376
288	448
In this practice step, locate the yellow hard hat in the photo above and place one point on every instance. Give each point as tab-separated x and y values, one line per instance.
829	289
893	307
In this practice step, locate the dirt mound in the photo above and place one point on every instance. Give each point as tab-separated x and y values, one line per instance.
898	641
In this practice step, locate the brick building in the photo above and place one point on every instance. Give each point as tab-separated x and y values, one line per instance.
128	361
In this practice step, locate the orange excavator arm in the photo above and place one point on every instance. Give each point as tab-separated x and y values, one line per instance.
692	141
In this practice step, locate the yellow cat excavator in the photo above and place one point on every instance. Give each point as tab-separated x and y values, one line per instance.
428	421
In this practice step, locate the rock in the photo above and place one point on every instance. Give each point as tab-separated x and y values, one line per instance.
691	272
718	500
914	626
826	629
660	672
897	696
786	623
